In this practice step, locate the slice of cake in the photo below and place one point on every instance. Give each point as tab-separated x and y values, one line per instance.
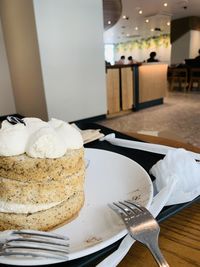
42	173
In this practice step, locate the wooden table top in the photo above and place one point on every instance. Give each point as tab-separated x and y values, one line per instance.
180	234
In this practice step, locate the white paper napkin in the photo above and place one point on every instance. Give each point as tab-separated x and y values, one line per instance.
89	135
179	167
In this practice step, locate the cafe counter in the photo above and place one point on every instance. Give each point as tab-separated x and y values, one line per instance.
137	86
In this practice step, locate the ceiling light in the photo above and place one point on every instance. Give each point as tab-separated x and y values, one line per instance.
183	4
152	30
168	23
109	22
136	28
147	20
125	17
127	34
165	4
140	11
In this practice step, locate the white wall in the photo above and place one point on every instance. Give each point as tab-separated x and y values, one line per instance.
194	43
7	105
180	49
187	46
70	36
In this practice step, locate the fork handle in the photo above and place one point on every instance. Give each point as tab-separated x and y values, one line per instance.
158	256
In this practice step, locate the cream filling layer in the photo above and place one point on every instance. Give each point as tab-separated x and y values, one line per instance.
9	207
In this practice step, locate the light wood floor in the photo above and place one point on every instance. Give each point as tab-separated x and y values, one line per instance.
178	118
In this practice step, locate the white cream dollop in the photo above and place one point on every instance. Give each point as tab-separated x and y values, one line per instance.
13	139
34	124
71	137
38	139
45	143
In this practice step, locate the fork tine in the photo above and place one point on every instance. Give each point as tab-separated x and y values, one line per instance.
36	248
24	245
124	210
115	208
39	234
34	243
34	253
38	242
141	208
133	208
136	205
37	237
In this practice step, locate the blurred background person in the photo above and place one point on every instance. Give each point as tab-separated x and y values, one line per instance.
198	57
131	60
152	58
121	61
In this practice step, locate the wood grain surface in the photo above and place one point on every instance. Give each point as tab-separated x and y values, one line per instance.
113	93
152	82
127	88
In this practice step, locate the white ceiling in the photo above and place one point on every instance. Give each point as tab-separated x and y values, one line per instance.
155	11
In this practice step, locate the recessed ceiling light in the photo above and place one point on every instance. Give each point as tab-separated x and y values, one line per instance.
125	17
140	11
147	20
109	22
127	34
165	4
168	23
152	30
136	28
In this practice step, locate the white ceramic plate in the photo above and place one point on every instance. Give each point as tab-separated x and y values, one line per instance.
110	177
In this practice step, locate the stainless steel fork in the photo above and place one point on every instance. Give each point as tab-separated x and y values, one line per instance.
141	226
33	244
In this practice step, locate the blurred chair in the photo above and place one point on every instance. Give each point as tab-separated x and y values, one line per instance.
179	76
194	78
